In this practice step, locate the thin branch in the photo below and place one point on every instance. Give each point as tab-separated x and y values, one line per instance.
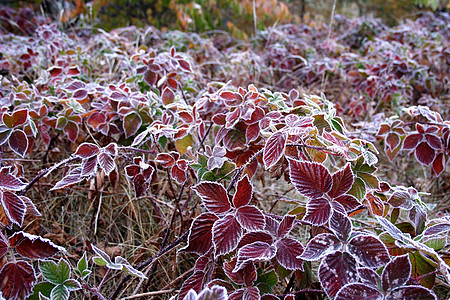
138	150
330	151
45	172
148	262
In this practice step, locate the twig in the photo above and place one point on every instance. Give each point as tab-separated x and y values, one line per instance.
330	151
45	172
94	291
147	262
138	150
149	294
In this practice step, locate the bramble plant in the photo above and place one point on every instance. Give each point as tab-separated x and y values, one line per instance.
167	143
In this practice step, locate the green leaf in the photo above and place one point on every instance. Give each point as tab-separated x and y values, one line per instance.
183	143
55	273
437	243
72	285
43	288
269	278
131	123
162	141
82	263
99	261
59	292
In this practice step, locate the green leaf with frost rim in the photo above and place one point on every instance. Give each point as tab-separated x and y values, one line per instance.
55	273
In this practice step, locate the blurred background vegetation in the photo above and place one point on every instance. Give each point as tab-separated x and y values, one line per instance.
239	17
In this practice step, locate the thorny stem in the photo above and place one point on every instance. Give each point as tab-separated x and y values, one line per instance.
138	150
147	262
45	172
314	148
94	291
166	236
241	169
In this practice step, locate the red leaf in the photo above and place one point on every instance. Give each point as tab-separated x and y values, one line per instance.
214	196
252	132
285	226
71	130
18	142
252	293
234	139
55	71
17	118
213	293
244	192
9	181
89	166
178	174
342	182
87	150
411	141
194	282
392	140
17	280
321	245
185	65
13	206
337	270
245	275
369	250
358	291
200	234
376	205
369	276
396	273
73	177
400	199
310	179
33	246
226	234
96	119
288	251
349	202
167	96
254	236
434	141
340	225
274	149
412	292
131	123
111	149
166	160
424	153
80	94
250	217
230	98
439	164
318	211
106	162
254	252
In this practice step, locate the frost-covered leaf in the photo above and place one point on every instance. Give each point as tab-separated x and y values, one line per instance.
214	196
131	123
254	236
251	293
359	291
340	225
318	211
73	177
33	246
285	226
288	251
87	150
250	217
274	149
56	273
17	280
244	192
226	234
13	206
309	178
342	182
192	286
9	181
396	273
254	252
369	250
321	245
337	270
412	292
18	142
369	276
106	162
